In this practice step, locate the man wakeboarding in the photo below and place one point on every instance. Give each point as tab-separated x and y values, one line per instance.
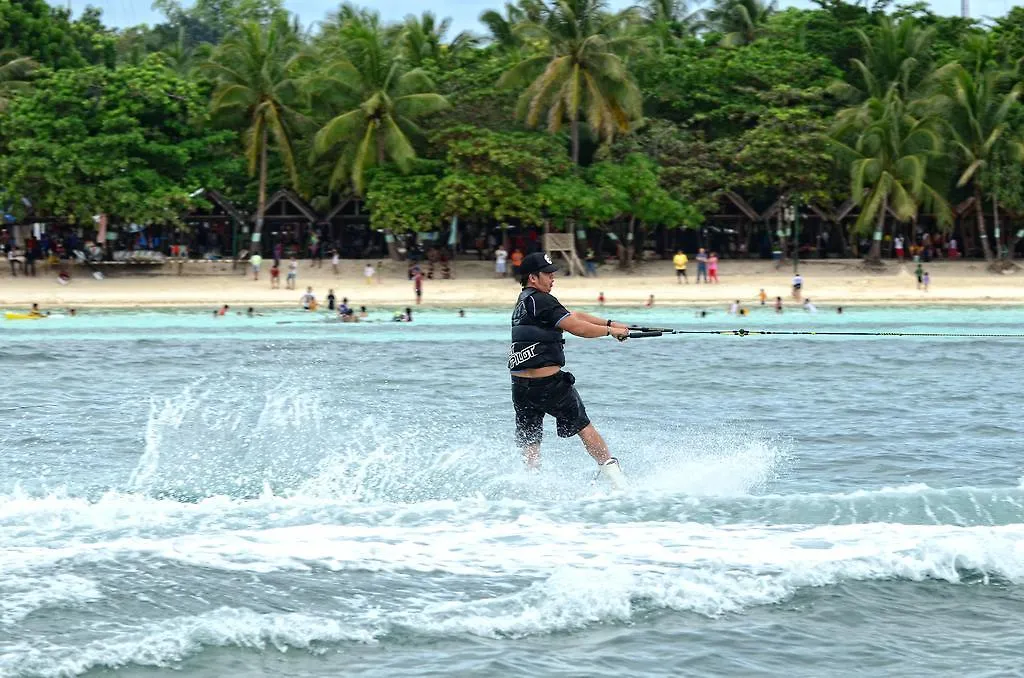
536	358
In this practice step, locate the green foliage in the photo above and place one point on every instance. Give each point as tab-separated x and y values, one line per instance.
1008	34
34	29
255	73
829	32
125	142
376	103
632	189
402	202
652	113
579	73
14	73
740	22
210	21
494	175
469	82
889	162
691	168
788	152
723	90
568	199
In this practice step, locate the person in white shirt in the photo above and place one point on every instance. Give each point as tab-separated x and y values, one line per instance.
898	242
293	274
734	307
336	262
500	257
368	273
809	307
798	283
309	300
255	261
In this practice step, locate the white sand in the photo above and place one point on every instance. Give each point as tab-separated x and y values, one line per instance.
829	282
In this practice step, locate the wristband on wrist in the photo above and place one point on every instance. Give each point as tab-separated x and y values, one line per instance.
609	323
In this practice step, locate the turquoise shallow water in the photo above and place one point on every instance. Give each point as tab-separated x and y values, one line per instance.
286	496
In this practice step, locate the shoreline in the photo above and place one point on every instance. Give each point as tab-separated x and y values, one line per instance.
827	283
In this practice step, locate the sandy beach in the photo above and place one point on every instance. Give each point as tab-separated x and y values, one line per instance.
827	282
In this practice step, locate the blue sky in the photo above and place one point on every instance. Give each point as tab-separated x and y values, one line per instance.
464	13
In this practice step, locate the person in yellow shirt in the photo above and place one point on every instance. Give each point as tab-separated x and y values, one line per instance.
762	296
679	261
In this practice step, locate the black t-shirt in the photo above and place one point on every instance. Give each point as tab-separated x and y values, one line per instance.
545	308
536	337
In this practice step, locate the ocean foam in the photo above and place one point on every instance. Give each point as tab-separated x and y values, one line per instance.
164	643
21	596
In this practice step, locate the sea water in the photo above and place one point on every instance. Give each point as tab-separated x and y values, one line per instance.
287	496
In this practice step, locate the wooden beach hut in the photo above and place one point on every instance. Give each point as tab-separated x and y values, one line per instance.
287	221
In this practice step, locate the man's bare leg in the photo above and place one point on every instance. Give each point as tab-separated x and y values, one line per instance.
595	444
531	455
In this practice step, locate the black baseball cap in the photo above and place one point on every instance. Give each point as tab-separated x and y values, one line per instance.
538	262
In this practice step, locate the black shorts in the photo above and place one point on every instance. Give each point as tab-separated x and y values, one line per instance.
554	395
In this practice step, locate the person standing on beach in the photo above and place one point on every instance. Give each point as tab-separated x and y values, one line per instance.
798	284
702	265
762	296
898	242
713	268
591	262
254	261
315	253
275	275
919	272
336	262
517	261
680	261
417	285
925	280
368	273
500	261
536	358
293	274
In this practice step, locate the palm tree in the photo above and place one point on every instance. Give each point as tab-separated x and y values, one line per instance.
380	99
979	119
579	72
671	20
741	22
502	27
255	73
14	71
889	165
894	54
423	38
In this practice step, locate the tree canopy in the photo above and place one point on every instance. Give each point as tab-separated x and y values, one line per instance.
557	112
